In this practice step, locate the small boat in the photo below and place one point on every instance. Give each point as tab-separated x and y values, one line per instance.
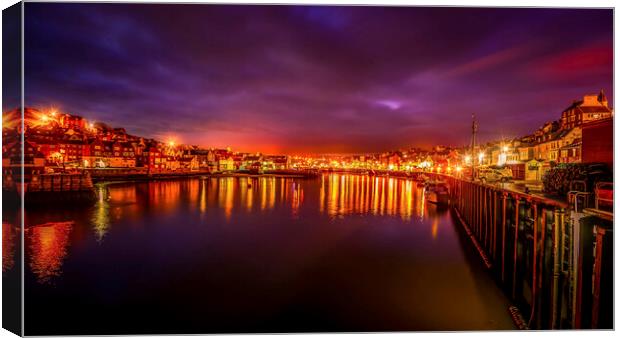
436	192
421	179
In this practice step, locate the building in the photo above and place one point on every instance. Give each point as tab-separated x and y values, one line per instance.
189	163
33	162
571	153
153	159
598	142
68	121
123	155
593	107
226	164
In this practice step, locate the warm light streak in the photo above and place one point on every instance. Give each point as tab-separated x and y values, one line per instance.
47	249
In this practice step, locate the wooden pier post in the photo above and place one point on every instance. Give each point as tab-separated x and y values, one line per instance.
515	251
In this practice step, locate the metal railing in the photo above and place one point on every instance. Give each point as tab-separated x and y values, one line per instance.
536	247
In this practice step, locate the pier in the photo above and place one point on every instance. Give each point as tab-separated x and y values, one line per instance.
553	259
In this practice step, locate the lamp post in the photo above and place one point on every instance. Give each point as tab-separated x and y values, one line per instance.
474	129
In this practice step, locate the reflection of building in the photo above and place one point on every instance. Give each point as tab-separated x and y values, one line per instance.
352	194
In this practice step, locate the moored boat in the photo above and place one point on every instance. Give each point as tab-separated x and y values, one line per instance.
436	192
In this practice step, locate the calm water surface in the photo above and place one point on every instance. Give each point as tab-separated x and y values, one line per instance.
338	253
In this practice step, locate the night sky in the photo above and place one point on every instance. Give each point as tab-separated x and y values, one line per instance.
286	79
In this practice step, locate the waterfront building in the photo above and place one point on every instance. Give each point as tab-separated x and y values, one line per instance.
549	150
571	153
202	157
226	164
93	154
123	155
33	162
153	159
172	163
189	163
275	162
598	142
249	162
591	108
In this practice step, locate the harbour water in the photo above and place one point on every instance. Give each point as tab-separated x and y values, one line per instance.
238	254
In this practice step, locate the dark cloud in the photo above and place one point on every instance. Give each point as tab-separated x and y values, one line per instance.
312	78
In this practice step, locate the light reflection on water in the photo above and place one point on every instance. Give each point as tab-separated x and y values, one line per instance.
343	195
9	238
47	248
339	196
283	250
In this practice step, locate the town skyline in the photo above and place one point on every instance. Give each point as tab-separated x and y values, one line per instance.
46	113
55	127
326	83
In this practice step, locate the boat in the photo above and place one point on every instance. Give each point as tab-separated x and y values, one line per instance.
421	179
436	192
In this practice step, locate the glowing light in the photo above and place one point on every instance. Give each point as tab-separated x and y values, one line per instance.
480	157
458	169
505	149
47	249
467	159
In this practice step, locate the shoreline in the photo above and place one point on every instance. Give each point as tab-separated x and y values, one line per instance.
172	176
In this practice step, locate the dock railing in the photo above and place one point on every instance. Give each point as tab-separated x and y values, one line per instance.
553	259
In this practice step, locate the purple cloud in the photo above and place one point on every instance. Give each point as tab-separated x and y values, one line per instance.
314	78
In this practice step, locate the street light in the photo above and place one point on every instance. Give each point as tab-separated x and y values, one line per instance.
480	157
467	159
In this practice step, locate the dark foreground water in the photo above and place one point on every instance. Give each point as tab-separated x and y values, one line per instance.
339	253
